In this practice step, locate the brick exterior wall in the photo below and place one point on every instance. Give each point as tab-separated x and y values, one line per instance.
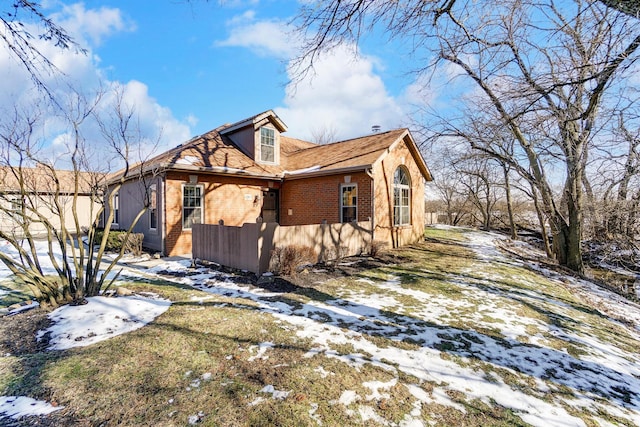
302	201
233	200
313	200
384	230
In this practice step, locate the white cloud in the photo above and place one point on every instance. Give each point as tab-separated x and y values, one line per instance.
344	93
265	38
92	25
160	130
82	73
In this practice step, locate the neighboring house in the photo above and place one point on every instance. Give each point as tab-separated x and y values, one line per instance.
47	196
249	172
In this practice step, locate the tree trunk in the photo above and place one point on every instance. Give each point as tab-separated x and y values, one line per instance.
543	223
567	243
507	188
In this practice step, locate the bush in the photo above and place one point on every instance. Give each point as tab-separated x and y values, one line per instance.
285	260
335	254
116	239
376	247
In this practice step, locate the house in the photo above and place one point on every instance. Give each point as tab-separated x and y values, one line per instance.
250	172
47	196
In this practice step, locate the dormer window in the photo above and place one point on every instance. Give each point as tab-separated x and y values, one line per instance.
267	145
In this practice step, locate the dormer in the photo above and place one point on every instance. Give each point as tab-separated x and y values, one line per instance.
258	137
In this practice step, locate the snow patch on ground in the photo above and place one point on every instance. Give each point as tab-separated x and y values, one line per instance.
603	380
100	319
20	406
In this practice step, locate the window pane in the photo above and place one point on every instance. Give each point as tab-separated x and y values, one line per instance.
349	201
116	209
191	206
267	154
401	197
267	136
405	215
197	216
267	144
153	196
348	214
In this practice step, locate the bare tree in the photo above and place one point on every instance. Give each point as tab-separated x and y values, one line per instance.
324	135
19	40
545	70
454	203
62	209
477	177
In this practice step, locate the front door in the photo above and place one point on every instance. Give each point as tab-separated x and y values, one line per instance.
270	206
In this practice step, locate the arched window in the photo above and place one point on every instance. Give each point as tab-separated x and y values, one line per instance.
401	197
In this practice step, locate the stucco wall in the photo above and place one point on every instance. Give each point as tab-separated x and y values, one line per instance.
313	200
384	230
86	211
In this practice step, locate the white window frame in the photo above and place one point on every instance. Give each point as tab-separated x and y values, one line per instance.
401	211
273	137
201	187
343	187
116	209
153	206
14	208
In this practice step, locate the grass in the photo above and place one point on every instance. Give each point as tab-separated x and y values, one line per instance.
12	292
201	357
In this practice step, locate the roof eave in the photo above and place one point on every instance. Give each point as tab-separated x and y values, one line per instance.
219	170
270	115
325	172
413	149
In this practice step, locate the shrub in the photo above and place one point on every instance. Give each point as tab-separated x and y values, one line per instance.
376	247
116	239
285	260
335	254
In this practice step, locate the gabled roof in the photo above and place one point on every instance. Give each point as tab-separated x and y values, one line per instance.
214	152
42	180
258	119
353	154
210	152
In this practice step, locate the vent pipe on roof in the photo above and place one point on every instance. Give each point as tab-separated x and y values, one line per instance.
376	128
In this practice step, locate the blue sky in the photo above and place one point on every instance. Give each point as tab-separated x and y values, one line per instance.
189	67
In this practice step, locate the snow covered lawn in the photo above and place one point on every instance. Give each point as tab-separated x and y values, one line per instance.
449	335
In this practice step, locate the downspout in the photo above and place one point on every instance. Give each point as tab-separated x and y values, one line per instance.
369	173
164	214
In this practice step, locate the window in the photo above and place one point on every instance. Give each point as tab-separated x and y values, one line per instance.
401	197
116	209
191	206
153	207
267	145
16	204
349	203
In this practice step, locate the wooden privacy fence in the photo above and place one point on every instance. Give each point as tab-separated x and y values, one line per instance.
249	247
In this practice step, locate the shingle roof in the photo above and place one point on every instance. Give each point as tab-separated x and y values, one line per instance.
214	152
210	152
352	153
43	180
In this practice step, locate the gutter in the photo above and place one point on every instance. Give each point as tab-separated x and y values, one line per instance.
163	244
361	168
214	170
369	173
